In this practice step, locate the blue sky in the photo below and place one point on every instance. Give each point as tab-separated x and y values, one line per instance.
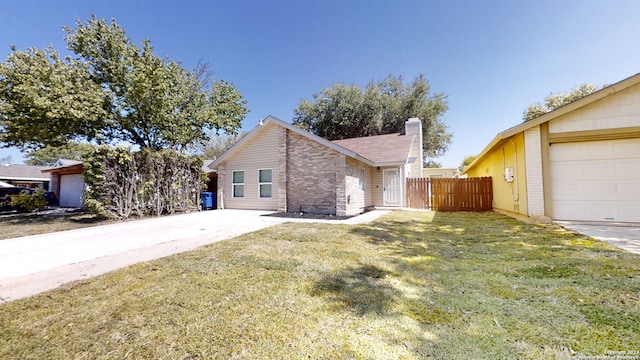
491	58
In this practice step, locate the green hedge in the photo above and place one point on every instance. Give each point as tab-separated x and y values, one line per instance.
121	183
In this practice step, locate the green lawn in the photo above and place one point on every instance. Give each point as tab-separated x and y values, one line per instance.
411	285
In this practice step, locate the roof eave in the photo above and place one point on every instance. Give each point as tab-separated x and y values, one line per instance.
79	166
389	163
24	178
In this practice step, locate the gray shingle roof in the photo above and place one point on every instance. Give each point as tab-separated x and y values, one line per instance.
22	172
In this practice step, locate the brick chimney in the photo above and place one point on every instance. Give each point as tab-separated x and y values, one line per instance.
413	126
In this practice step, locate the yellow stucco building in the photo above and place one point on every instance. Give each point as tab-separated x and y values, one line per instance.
580	162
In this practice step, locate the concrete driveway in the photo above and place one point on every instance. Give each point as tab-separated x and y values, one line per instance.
33	264
623	235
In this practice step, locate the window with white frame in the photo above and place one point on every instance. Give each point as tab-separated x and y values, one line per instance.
238	184
361	179
265	177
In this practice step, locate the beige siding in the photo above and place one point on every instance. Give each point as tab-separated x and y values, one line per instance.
618	110
257	154
376	187
356	198
414	126
369	188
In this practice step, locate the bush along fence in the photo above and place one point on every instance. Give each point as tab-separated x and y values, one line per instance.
120	183
450	194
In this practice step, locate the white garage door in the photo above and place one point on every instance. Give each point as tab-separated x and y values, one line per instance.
596	180
71	188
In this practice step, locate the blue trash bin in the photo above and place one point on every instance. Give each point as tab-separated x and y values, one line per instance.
207	200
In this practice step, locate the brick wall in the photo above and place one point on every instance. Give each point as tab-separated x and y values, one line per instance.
54	184
311	175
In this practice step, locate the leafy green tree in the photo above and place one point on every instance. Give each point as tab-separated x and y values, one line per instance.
347	111
466	161
217	145
112	91
432	164
555	101
45	99
48	155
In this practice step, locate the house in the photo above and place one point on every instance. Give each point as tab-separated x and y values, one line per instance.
67	182
212	176
439	173
280	167
580	162
24	175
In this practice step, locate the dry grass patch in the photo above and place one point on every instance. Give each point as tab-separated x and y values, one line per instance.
16	225
412	285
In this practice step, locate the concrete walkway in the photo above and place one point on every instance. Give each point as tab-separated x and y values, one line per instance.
625	236
32	264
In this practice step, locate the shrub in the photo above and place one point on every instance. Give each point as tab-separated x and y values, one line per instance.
28	201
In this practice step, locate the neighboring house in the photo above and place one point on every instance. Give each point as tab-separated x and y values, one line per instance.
280	167
67	182
212	175
24	175
579	162
439	173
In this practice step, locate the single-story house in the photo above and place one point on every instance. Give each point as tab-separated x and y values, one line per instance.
280	167
67	182
432	173
579	162
24	175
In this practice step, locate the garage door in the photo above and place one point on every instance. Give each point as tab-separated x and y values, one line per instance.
71	188
596	180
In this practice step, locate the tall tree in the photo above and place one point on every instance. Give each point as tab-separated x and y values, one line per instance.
48	155
466	161
217	145
346	111
112	91
555	101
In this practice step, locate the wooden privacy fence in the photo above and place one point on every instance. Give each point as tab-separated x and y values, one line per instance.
450	194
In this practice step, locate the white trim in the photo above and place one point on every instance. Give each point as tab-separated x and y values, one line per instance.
24	178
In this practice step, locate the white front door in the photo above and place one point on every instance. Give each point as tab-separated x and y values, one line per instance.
392	188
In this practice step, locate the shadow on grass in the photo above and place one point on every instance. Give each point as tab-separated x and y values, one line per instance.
358	289
48	218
